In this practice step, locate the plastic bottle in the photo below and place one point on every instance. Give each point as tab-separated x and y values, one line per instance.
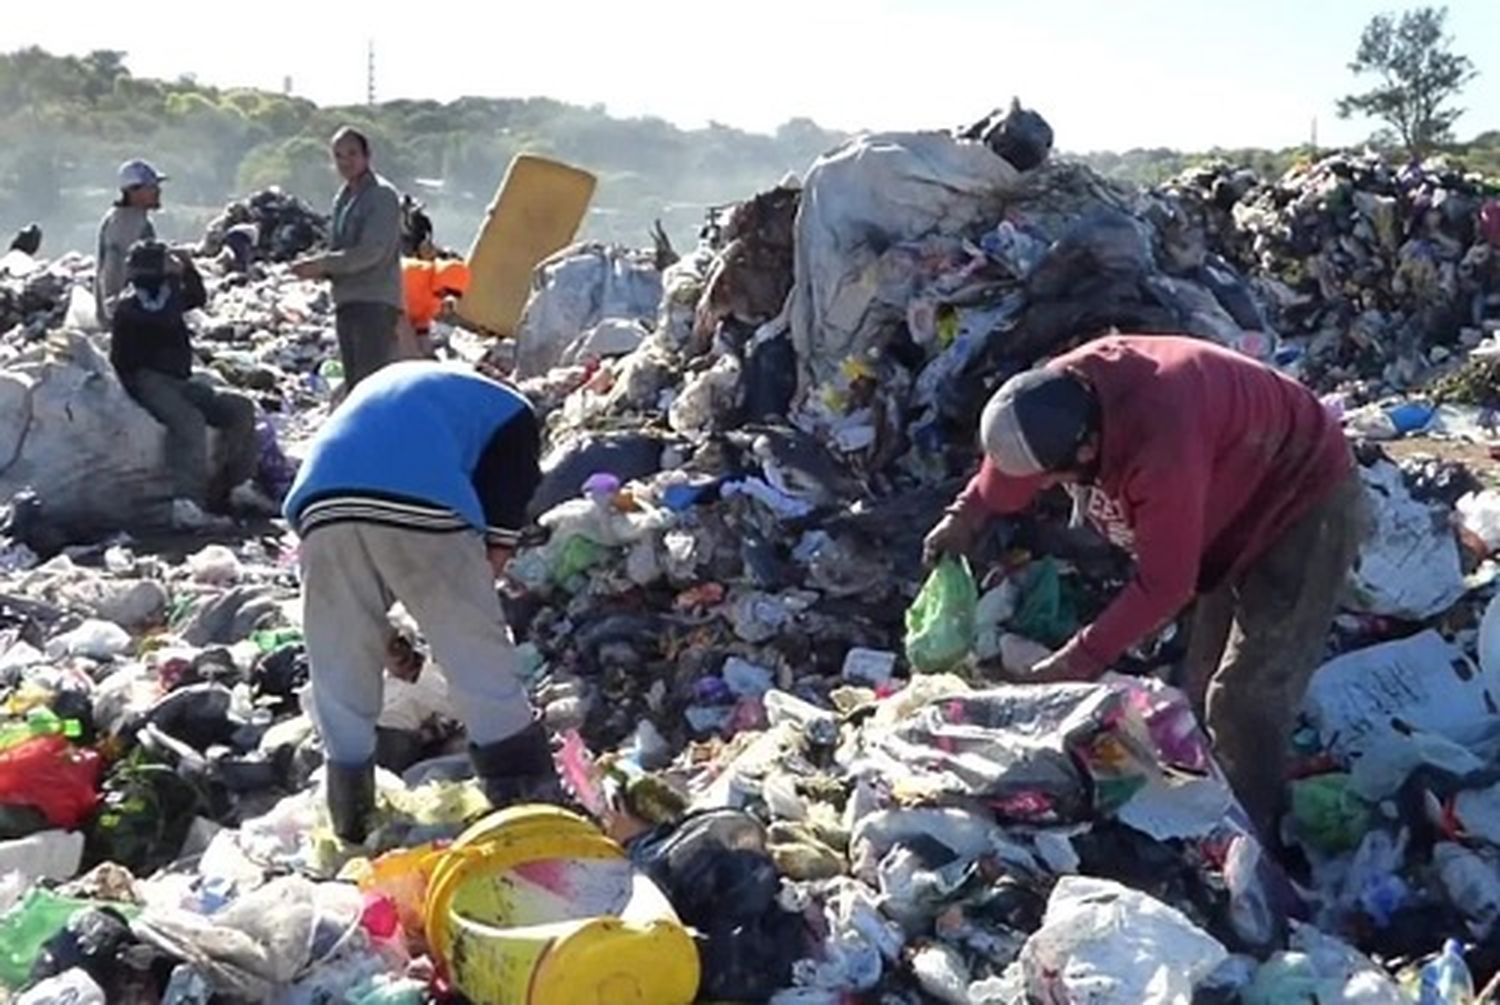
1446	980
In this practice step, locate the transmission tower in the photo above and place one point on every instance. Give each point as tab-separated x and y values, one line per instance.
370	72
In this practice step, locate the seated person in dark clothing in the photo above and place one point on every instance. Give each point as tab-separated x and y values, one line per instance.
151	352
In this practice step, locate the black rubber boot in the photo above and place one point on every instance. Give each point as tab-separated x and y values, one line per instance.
351	799
517	769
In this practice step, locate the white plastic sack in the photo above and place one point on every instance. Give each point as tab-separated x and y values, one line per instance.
1105	944
860	199
1423	682
1409	565
575	290
70	433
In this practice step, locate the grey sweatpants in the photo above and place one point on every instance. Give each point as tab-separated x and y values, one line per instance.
367	338
352	574
188	408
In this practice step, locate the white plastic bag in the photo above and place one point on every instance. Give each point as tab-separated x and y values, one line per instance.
1106	944
83	311
215	565
1356	700
99	640
1480	512
1408	565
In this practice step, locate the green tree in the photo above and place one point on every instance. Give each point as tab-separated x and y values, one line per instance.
1418	73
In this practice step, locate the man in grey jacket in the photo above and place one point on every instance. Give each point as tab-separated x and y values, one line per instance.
364	263
125	224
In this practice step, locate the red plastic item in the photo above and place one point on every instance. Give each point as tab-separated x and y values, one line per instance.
380	917
59	779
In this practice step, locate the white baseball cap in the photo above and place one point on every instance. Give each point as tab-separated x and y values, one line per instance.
139	174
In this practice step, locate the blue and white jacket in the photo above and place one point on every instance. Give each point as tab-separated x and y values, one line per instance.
424	446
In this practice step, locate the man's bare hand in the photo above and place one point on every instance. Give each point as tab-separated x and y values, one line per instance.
307	268
952	535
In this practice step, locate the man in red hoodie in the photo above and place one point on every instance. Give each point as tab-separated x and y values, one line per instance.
1228	482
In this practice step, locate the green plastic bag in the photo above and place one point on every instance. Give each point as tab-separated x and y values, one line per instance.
1047	614
940	622
1326	815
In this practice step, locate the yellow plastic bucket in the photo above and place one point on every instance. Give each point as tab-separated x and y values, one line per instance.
534	906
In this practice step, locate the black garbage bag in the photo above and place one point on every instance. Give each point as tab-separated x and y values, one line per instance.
92	940
715	870
197	715
565	468
280	673
1018	134
770	379
23	519
1233	293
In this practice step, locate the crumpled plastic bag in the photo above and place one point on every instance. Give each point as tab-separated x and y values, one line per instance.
1106	944
1408	564
940	622
263	940
72	988
1327	815
48	772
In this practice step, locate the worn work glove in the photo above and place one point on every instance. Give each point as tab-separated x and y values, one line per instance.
954	534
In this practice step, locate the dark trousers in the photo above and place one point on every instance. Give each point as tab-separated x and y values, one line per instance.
1255	643
367	338
188	408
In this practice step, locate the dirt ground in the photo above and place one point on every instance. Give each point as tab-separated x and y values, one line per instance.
1476	457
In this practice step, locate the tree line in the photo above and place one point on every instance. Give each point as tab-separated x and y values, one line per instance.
67	121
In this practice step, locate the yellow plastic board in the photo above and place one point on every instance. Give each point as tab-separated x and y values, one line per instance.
535	214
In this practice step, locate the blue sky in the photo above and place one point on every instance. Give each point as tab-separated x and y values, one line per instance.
1108	74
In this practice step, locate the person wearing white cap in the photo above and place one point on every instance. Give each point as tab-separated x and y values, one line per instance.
1228	482
127	222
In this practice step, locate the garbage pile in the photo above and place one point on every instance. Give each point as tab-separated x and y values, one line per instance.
1381	271
270	225
803	783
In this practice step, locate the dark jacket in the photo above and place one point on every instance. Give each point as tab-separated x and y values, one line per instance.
148	331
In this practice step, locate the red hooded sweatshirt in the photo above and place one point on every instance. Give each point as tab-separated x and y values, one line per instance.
1206	458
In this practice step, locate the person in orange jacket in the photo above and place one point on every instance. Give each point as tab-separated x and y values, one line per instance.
429	278
428	284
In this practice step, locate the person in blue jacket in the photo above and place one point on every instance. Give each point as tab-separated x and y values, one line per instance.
416	490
